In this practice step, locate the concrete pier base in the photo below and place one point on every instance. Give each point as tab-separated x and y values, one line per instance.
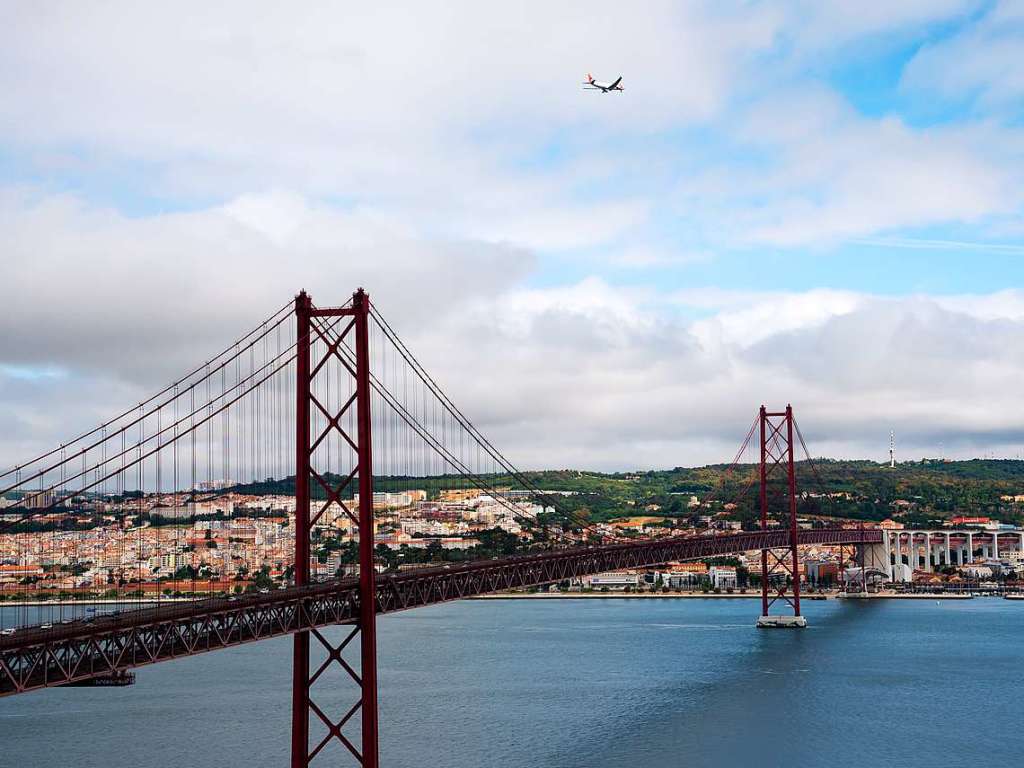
781	622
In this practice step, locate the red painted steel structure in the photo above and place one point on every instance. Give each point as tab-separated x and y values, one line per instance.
780	580
357	333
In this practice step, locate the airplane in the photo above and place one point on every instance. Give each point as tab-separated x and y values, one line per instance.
593	85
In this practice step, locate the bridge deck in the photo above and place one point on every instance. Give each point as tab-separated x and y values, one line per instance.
35	658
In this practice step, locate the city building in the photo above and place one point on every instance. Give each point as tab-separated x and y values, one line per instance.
617	581
722	576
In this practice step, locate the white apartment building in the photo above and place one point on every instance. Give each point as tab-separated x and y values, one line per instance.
722	576
615	581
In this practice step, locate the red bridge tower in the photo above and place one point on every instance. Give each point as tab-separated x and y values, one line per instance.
780	573
315	332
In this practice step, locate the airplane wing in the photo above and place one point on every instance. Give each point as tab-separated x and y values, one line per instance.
615	84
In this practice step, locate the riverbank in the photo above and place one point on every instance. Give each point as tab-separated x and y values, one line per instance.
713	596
629	596
98	601
753	595
907	596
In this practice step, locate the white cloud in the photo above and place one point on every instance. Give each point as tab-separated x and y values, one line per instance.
438	119
592	376
750	318
312	95
587	374
435	155
980	63
816	25
168	289
931	244
826	175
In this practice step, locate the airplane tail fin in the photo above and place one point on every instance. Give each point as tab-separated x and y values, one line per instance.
590	78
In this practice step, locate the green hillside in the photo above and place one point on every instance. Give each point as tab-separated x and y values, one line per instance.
912	491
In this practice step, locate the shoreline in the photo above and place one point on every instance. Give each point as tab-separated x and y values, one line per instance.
98	601
710	596
625	596
127	604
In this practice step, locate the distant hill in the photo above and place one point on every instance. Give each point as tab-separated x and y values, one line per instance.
914	491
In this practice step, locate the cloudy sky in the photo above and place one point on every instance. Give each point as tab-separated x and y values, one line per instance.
806	202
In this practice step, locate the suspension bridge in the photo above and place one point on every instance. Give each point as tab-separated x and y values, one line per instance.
325	415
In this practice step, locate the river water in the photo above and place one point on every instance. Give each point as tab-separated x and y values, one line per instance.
585	684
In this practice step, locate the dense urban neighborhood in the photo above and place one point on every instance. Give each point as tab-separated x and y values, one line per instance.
220	539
